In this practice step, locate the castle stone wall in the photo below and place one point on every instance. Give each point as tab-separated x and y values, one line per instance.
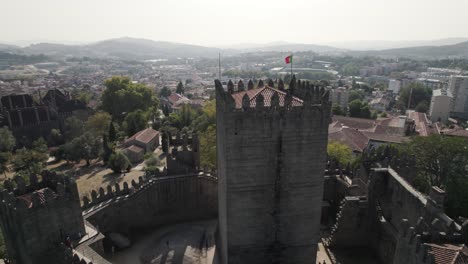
155	202
37	218
270	168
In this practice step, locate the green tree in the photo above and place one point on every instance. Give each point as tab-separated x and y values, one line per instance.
112	132
7	143
180	88
165	142
419	93
135	121
118	162
5	158
31	161
98	124
208	147
356	95
441	161
106	149
357	108
86	147
336	110
122	96
55	137
164	92
354	108
7	140
340	152
74	128
422	107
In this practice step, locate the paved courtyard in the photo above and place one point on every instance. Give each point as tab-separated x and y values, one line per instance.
186	243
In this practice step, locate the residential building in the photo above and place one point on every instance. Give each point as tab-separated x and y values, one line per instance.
458	88
440	106
379	104
394	86
146	140
339	96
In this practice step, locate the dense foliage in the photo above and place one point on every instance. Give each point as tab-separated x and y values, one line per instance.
359	109
122	97
420	97
441	161
340	152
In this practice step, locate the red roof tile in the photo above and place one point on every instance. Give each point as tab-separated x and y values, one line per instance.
448	253
353	122
144	136
353	138
267	92
135	149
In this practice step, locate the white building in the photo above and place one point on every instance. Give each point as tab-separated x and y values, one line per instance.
340	96
458	88
394	86
440	106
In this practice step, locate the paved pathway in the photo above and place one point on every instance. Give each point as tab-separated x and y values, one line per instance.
187	243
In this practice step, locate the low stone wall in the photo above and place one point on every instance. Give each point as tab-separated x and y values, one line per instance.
148	204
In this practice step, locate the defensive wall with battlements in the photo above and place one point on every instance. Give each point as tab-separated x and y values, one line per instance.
149	203
38	217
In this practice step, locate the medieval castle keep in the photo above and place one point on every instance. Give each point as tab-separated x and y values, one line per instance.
271	157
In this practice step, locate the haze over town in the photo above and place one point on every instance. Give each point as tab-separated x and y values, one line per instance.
221	23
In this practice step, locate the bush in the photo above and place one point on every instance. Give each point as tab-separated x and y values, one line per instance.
118	162
152	161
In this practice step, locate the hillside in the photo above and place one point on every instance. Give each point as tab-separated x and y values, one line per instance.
459	50
124	48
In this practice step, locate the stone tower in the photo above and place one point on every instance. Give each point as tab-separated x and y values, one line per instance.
36	218
271	159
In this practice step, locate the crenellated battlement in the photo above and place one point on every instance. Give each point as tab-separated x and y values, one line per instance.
418	244
47	210
300	96
117	192
46	190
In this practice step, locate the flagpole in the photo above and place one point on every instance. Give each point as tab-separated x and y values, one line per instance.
219	66
291	66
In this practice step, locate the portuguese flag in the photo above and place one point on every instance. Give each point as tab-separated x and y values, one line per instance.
288	59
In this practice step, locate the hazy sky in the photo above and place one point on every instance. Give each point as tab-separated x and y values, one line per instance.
220	22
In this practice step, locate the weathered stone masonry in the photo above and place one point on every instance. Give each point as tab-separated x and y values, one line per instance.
271	159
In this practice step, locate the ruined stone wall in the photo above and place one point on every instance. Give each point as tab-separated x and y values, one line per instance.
270	168
38	217
397	199
148	204
352	226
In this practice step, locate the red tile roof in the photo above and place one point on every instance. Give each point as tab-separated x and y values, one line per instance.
353	122
353	138
135	149
28	197
175	97
267	92
144	136
459	132
448	253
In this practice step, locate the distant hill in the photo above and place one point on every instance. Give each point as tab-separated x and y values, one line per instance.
144	49
459	50
388	44
8	48
295	48
280	46
149	49
124	48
